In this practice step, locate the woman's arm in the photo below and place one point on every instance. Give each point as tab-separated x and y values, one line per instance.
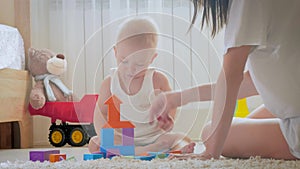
225	96
204	92
247	88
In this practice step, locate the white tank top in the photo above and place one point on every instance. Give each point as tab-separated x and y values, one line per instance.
272	27
135	108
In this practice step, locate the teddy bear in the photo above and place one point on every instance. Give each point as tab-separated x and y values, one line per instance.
45	67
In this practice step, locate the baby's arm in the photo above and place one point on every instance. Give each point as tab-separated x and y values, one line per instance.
161	84
100	115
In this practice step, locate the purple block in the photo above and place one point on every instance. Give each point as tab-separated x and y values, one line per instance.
128	136
42	155
112	152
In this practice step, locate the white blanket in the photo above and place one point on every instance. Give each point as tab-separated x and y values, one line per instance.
12	53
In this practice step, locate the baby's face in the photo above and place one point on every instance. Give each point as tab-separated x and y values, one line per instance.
133	60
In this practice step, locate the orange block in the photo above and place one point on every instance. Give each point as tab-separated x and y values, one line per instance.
113	114
57	157
120	124
144	154
175	152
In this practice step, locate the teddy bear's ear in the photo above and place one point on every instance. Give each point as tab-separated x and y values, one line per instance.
31	51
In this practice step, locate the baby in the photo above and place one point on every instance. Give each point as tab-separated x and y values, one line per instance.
136	84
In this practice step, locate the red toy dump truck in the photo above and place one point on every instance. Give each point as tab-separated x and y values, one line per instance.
81	113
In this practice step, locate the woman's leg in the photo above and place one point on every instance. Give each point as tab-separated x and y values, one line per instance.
260	135
256	137
260	113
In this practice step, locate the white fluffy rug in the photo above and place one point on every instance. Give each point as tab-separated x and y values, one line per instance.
121	163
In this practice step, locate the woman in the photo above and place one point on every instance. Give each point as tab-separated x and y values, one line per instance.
265	35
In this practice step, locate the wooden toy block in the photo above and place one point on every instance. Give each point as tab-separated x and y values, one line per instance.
128	157
128	136
107	137
175	152
42	155
121	124
107	131
144	154
113	113
146	158
92	156
112	152
103	150
241	109
113	103
124	150
57	157
160	155
127	150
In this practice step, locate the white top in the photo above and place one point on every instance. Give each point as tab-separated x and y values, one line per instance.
12	53
273	28
135	108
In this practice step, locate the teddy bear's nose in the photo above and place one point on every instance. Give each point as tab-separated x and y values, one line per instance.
60	56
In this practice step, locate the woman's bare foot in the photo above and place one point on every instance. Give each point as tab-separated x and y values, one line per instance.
188	148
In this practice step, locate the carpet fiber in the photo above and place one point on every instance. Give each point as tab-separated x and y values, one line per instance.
121	163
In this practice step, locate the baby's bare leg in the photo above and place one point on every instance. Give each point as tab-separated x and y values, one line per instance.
167	142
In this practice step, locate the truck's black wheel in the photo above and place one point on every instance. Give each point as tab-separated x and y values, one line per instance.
77	137
57	137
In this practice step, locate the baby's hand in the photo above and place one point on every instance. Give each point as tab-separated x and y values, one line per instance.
159	108
166	123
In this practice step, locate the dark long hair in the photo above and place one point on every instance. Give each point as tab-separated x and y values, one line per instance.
214	12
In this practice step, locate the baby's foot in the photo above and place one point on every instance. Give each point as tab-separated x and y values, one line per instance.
188	148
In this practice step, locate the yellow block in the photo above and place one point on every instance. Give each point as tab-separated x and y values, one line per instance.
241	108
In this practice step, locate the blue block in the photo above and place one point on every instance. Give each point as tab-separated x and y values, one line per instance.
92	156
160	155
102	149
146	158
127	150
110	153
107	137
124	150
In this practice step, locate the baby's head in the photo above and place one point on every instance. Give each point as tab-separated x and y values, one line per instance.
136	45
